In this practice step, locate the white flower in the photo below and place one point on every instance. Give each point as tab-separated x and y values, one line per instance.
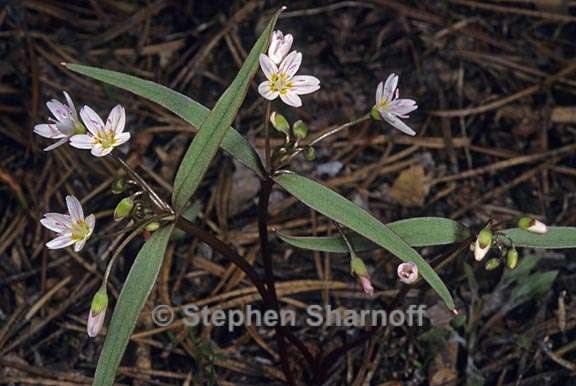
283	82
64	124
101	138
408	272
391	108
73	228
279	46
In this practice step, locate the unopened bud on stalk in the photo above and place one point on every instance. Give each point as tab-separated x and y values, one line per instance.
358	269
512	258
532	225
408	272
97	312
483	243
300	129
492	264
123	209
119	185
279	122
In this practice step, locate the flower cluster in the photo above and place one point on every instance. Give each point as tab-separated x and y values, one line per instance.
67	126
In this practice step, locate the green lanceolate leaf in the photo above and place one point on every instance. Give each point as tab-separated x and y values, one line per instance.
555	238
416	232
211	133
181	105
333	205
134	293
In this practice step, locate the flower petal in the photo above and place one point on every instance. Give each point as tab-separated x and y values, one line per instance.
78	245
74	208
265	91
268	66
82	141
291	99
71	105
66	127
397	123
56	144
99	151
379	92
48	130
116	119
91	221
291	64
91	120
61	219
390	87
59	110
402	106
305	84
60	242
122	138
54	226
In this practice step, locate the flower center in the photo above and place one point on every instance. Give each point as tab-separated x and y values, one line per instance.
80	230
280	83
106	138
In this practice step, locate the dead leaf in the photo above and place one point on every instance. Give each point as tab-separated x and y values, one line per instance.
411	187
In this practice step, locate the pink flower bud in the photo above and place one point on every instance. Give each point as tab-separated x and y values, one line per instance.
408	272
95	323
366	285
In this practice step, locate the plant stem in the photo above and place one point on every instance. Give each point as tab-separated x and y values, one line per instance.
267	137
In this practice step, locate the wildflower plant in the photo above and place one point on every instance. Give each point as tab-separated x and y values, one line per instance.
142	211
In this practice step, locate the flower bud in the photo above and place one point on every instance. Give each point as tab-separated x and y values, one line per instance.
492	264
407	272
532	225
119	185
358	268
123	209
483	243
279	46
310	154
512	258
375	114
97	312
279	122
300	129
153	226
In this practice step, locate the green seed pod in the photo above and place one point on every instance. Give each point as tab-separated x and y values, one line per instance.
492	264
153	226
279	122
310	154
123	209
375	114
300	129
119	185
512	258
525	222
485	238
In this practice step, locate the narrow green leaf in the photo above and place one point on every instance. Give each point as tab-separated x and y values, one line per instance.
135	291
181	105
333	205
416	232
211	133
555	238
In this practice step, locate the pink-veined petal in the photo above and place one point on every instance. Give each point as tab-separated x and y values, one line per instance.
58	109
379	92
116	120
291	99
48	130
60	242
305	84
74	208
291	63
99	151
71	105
265	91
56	144
91	221
397	123
402	107
91	120
390	87
54	226
82	141
267	66
66	127
61	219
122	138
78	245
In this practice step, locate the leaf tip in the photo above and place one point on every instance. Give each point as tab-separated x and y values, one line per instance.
64	64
